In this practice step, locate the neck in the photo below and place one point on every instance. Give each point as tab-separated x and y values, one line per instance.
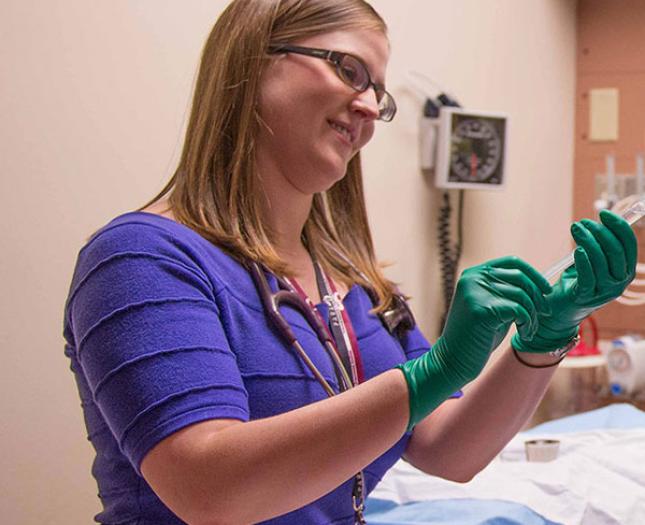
285	210
287	223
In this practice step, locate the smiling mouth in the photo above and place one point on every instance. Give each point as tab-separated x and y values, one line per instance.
345	132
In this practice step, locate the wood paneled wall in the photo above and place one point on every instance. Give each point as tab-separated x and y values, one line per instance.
610	54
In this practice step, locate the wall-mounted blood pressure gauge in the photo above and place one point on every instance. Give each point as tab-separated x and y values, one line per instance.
471	149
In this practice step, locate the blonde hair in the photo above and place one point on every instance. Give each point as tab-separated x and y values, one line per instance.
215	188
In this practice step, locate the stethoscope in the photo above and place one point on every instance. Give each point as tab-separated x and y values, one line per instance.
397	319
287	295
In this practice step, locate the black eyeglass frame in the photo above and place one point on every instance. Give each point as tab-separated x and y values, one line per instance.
336	58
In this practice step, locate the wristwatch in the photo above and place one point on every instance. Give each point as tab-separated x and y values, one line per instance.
564	350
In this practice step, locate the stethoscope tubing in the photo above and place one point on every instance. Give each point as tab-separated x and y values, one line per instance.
314	370
272	302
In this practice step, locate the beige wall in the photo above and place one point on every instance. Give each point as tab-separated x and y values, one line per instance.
92	100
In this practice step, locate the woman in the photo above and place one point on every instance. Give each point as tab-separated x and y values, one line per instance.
199	408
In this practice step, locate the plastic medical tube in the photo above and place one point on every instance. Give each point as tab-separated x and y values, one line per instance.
632	215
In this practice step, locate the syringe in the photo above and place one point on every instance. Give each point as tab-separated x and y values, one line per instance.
632	215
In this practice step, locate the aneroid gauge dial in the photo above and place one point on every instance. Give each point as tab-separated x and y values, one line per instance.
476	151
471	149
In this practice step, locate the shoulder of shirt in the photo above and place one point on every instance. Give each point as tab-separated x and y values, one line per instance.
140	232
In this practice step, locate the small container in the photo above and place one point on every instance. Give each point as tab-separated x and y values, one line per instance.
541	449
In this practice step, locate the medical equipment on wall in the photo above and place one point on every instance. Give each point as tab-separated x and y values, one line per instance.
626	365
632	215
613	187
471	149
624	193
464	148
461	149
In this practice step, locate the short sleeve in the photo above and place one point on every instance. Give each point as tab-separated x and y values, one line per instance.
149	339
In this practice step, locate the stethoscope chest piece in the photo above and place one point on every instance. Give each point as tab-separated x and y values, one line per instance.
398	318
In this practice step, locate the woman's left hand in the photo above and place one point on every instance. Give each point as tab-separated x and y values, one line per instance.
605	264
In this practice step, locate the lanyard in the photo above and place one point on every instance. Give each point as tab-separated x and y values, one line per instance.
341	326
346	346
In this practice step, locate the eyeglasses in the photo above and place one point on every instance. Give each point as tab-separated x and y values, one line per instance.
351	70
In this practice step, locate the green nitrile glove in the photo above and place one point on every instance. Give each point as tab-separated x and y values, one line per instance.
605	263
488	299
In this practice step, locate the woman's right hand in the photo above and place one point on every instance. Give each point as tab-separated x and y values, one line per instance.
488	299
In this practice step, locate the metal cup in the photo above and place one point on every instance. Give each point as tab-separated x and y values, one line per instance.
541	449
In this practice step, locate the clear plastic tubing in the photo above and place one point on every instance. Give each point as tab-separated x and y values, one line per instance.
632	215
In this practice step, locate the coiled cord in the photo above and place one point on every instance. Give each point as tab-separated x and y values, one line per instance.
449	253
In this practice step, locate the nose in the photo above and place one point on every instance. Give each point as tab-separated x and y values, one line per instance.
366	104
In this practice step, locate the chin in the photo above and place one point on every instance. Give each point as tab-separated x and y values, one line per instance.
324	173
335	176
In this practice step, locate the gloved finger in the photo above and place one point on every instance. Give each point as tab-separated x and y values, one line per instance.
586	278
521	280
612	248
512	262
597	258
625	234
516	306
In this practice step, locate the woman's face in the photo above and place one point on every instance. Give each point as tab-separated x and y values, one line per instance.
317	123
